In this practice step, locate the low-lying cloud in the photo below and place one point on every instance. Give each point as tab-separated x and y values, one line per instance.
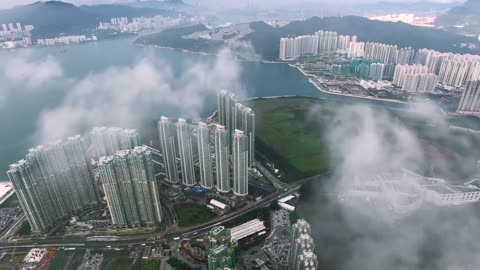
127	95
366	141
23	72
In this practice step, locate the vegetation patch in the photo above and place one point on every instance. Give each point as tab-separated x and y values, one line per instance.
289	134
190	214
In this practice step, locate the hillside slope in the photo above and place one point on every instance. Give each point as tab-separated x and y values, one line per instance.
265	39
54	18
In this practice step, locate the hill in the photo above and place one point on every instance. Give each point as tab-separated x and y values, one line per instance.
265	39
405	7
467	16
166	4
53	18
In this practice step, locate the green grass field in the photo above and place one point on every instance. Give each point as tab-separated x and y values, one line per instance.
289	134
192	214
58	262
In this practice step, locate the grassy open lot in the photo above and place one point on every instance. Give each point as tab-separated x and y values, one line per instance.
192	214
288	133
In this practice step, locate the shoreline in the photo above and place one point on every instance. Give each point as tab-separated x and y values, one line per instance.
207	54
312	77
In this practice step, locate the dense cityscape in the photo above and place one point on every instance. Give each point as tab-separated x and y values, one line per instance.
405	69
170	134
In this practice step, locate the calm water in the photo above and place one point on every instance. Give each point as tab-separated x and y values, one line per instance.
20	111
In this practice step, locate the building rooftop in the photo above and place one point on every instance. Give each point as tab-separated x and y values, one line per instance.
5	187
247	229
218	204
18	164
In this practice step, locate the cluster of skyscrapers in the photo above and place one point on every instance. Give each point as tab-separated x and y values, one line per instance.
301	256
53	182
221	253
414	78
448	69
56	180
64	40
137	24
453	70
321	41
15	36
128	180
224	150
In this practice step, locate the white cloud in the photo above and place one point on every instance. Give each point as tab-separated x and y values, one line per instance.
365	141
32	73
125	96
24	72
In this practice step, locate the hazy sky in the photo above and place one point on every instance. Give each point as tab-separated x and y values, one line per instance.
226	3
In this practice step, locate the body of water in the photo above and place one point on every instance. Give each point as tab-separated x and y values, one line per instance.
20	110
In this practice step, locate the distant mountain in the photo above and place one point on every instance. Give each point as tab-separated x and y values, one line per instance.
265	39
166	4
406	7
465	17
53	18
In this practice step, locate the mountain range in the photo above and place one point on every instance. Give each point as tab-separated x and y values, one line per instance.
54	18
405	7
465	17
265	38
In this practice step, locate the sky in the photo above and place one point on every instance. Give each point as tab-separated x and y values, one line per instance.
227	3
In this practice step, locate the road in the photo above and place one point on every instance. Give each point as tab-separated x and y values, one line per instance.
129	241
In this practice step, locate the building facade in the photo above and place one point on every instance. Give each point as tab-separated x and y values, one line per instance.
130	188
240	163
54	181
205	156
166	132
184	134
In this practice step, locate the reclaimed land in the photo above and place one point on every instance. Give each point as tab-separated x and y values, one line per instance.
291	132
289	135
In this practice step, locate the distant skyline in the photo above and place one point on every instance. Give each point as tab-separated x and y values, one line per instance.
230	3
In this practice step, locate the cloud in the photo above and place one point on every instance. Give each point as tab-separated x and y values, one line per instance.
127	96
362	235
24	72
32	73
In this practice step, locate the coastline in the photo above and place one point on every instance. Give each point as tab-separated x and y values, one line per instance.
311	81
207	54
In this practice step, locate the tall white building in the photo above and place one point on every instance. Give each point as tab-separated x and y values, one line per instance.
301	255
185	150
382	52
222	159
420	83
456	70
343	43
327	41
405	56
375	71
166	133
205	156
401	71
470	101
287	49
356	49
240	163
